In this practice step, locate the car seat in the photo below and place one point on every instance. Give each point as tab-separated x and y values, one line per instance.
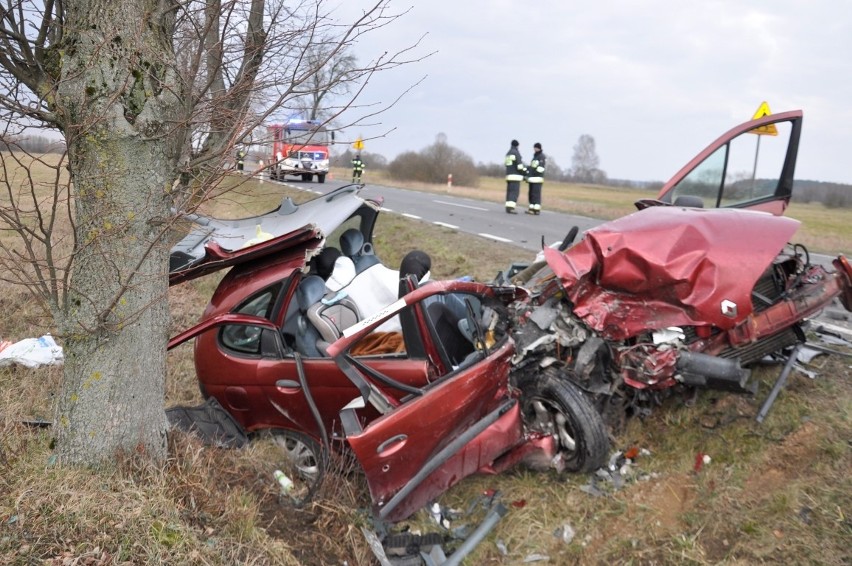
331	316
352	245
691	201
310	291
456	346
408	321
342	275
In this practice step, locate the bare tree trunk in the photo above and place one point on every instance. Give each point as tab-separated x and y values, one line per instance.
117	95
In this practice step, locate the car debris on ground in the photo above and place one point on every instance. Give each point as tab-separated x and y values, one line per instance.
31	352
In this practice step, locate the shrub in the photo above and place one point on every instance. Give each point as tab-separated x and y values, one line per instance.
433	163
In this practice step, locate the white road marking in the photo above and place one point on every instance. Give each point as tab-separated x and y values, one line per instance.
493	237
445	225
386	209
460	205
413	216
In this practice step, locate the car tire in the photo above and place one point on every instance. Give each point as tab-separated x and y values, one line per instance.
551	404
321	178
301	451
299	456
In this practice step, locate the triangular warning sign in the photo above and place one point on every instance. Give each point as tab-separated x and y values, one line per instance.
762	110
769	130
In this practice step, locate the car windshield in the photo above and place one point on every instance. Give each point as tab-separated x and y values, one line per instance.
306	137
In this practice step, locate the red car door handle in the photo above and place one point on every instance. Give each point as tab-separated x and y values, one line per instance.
392	444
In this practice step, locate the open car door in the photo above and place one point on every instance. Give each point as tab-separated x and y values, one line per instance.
437	435
750	166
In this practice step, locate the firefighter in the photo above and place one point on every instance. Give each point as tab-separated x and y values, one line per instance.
515	171
357	168
241	156
535	179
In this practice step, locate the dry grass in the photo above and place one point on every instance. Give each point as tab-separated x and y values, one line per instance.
777	493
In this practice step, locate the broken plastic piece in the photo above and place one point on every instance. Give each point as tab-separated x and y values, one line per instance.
566	533
699	462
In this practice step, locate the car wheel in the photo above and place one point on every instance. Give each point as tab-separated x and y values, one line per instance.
321	178
298	456
552	405
301	452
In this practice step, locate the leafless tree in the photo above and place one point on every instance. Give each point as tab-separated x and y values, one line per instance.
150	97
332	81
585	161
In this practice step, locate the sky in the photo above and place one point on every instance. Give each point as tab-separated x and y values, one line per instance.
652	81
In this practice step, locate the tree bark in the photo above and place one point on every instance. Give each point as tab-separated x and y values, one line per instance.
117	102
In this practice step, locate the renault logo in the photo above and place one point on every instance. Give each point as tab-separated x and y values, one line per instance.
729	308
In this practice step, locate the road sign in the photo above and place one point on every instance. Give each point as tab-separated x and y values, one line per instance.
359	144
762	111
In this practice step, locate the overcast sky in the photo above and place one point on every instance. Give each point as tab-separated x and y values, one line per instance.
653	81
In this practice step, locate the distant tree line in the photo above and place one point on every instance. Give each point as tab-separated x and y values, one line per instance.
832	195
373	161
32	144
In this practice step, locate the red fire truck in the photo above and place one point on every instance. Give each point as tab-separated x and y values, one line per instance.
300	149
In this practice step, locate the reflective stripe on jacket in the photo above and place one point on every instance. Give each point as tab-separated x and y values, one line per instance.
514	165
536	169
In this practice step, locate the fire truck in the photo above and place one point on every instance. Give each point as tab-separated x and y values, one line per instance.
299	149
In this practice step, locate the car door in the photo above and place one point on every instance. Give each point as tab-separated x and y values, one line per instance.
750	166
449	429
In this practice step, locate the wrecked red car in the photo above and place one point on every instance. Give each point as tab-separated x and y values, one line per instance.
677	294
686	292
421	407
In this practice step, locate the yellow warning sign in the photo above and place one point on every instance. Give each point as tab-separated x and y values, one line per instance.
359	144
768	130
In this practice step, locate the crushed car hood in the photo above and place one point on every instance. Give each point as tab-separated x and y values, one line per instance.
669	266
213	244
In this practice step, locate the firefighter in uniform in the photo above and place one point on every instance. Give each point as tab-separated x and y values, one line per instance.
535	178
515	171
357	168
241	156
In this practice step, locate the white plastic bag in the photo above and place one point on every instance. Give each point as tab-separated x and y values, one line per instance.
32	352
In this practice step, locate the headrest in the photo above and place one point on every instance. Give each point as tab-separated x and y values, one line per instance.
351	242
417	263
324	262
344	272
310	291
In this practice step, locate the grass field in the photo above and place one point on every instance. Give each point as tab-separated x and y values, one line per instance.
777	493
